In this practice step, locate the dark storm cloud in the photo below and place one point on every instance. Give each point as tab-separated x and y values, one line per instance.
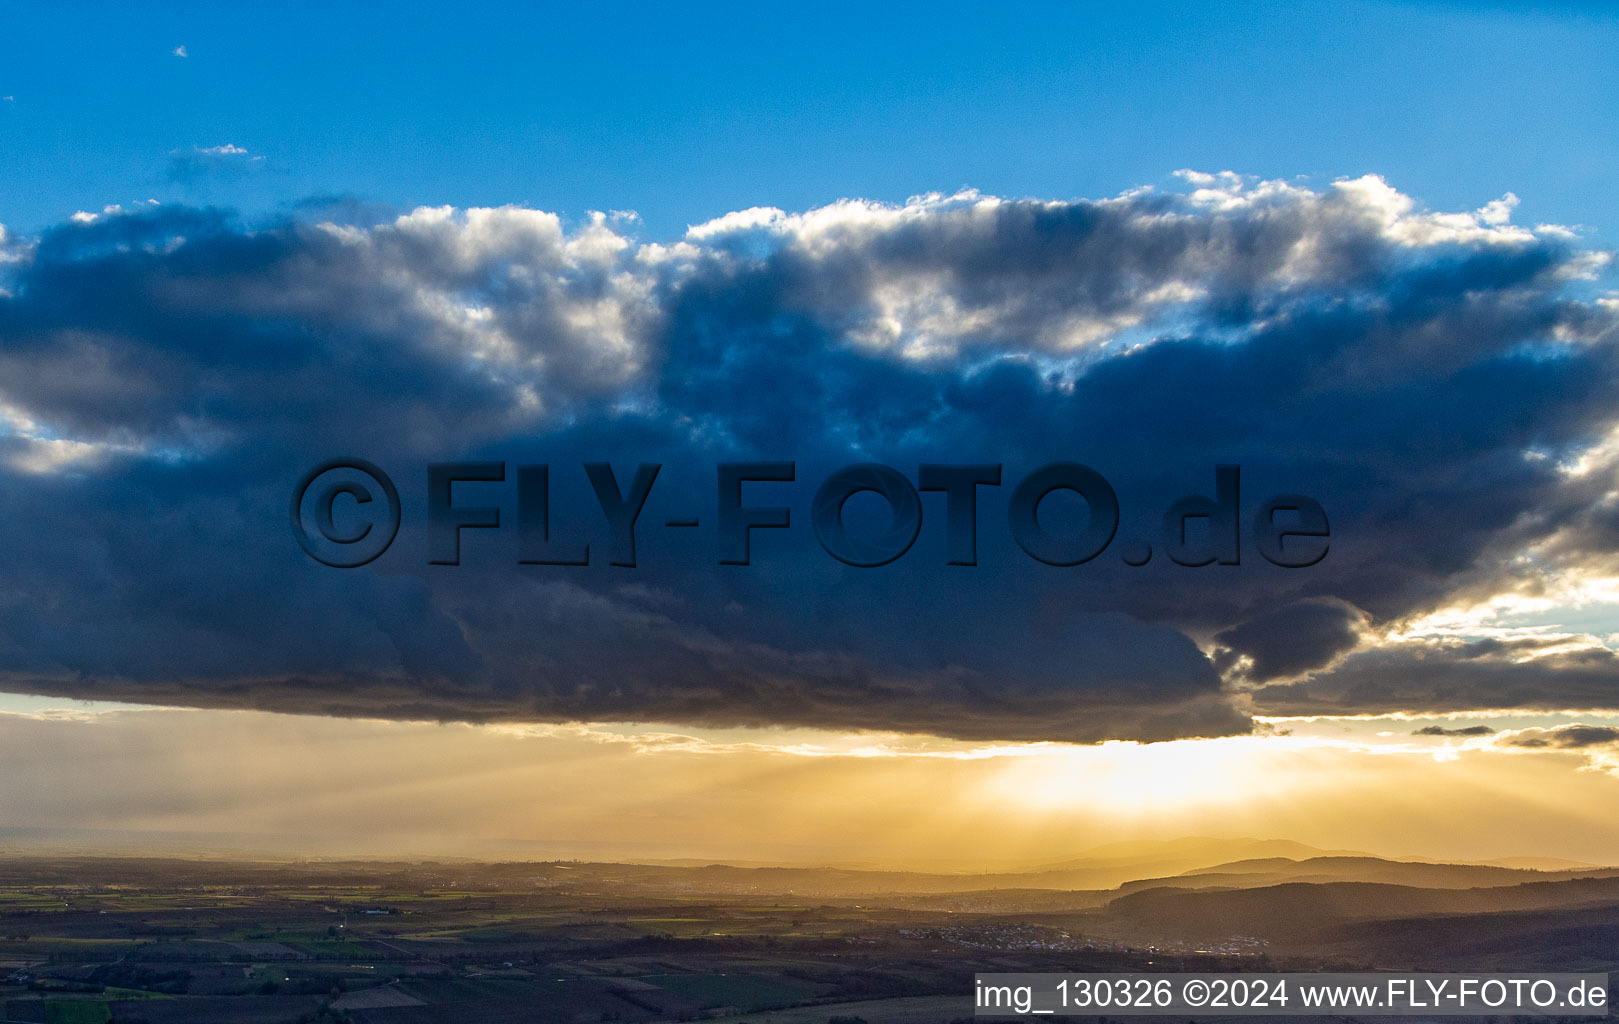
1430	379
1563	737
1449	675
1290	640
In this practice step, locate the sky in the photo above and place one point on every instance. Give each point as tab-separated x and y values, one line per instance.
683	114
1362	252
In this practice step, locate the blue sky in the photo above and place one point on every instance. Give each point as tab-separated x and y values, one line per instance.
682	112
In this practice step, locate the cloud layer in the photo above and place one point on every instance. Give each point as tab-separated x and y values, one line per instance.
1444	385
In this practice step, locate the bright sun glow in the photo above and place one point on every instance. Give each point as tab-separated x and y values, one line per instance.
1129	778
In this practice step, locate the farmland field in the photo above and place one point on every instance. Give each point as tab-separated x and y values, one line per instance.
130	941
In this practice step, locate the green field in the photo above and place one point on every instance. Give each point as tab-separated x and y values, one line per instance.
76	1011
114	994
743	991
913	1010
330	948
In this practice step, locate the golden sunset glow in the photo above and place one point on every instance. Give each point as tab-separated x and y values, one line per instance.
358	786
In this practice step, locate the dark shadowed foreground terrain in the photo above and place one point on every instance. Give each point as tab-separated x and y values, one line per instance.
132	940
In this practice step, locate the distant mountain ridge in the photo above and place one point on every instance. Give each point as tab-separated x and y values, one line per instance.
1422	874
